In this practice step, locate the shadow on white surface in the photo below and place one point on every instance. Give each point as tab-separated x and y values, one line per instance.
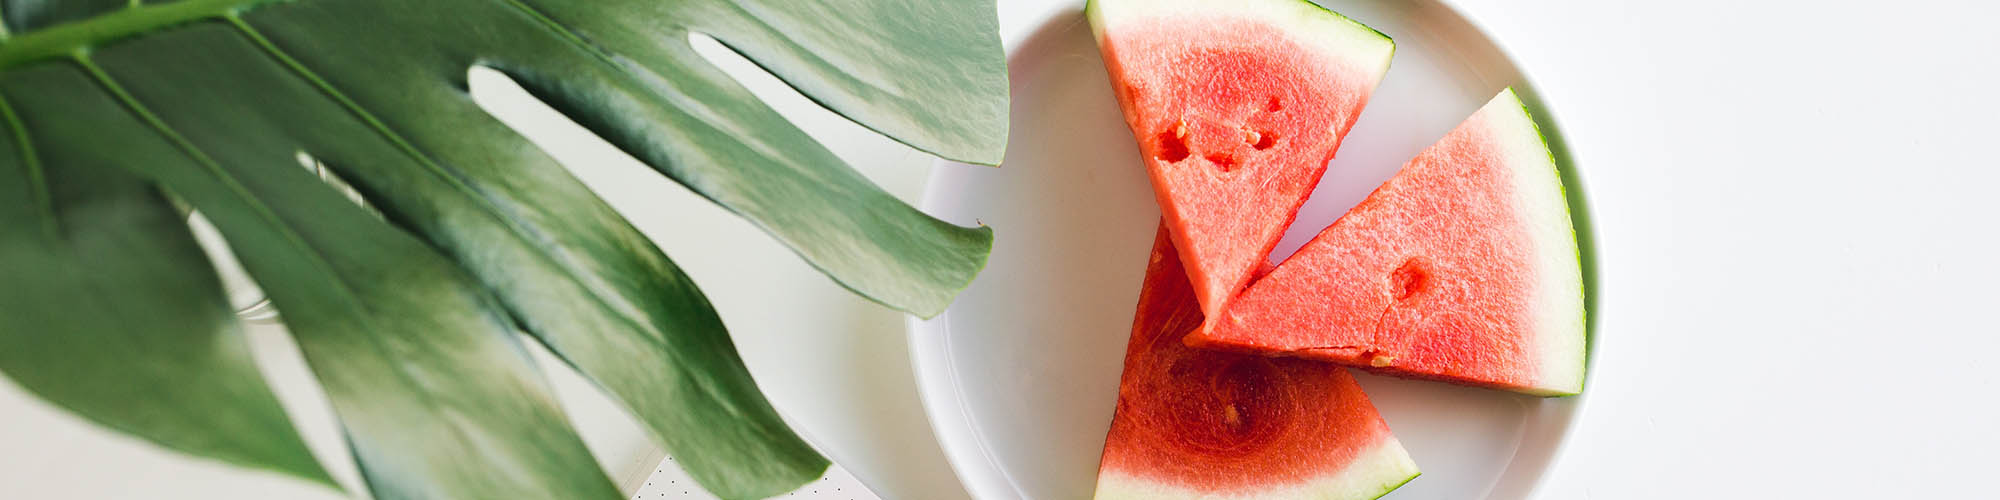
668	481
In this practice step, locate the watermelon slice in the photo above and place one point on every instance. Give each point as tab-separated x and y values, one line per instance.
1204	424
1462	267
1237	106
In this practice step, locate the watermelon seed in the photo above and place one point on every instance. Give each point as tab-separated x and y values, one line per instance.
1262	141
1172	147
1380	361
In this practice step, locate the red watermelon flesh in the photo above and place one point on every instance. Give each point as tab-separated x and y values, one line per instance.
1237	107
1463	267
1192	423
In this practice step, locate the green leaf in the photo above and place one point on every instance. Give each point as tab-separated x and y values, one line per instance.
631	75
110	311
926	72
408	321
436	395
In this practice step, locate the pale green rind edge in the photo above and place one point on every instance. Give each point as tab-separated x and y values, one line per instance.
1395	469
1577	214
1407	466
1094	12
1582	225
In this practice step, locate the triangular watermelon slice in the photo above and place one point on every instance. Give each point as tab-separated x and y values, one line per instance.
1463	267
1202	424
1237	106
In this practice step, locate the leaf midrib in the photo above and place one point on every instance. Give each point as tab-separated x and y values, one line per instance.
67	39
409	149
654	336
317	260
73	41
640	321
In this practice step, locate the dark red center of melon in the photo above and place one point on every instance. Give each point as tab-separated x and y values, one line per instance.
1215	421
1239	410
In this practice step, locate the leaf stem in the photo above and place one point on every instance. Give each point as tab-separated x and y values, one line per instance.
63	40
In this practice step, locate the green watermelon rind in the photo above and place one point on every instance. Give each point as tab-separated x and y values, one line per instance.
1576	243
1395	469
1343	17
1580	220
1306	19
1573	384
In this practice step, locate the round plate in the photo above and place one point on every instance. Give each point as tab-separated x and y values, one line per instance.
1020	376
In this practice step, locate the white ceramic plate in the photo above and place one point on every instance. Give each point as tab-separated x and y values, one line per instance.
1020	376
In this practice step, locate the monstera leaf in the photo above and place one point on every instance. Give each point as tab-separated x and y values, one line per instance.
407	309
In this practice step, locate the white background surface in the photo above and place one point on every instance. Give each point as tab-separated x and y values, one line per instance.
1797	229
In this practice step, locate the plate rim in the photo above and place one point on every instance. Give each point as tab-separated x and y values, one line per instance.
977	468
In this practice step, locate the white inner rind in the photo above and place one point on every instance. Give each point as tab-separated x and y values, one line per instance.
1375	472
1349	41
1538	191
